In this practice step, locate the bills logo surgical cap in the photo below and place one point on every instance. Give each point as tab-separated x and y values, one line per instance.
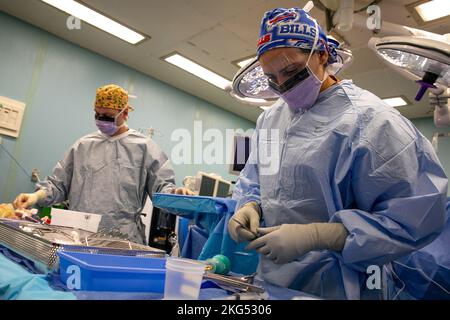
291	27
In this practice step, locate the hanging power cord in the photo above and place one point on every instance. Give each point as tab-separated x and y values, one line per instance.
18	164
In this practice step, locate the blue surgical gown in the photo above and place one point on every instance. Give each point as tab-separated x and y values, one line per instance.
425	274
111	176
350	159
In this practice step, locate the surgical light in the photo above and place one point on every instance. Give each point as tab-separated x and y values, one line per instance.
250	86
244	62
96	19
422	59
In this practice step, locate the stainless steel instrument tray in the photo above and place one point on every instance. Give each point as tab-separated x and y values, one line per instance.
40	243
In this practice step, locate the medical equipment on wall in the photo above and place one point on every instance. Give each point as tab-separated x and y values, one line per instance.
210	185
147	131
11	115
150	132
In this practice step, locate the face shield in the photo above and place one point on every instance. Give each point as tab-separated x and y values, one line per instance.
286	70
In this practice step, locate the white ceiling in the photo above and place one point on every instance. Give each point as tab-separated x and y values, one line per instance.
216	33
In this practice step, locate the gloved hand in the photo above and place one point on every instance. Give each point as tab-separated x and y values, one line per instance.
287	242
27	200
183	191
7	211
244	223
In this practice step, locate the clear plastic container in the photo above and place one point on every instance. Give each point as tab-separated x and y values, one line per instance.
183	279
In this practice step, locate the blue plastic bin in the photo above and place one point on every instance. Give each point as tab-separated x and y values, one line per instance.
208	236
102	272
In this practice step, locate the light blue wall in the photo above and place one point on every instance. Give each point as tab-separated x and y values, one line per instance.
57	81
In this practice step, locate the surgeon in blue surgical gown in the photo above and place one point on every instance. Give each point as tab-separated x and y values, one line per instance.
338	183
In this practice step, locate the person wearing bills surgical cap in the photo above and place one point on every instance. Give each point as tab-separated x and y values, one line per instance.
338	183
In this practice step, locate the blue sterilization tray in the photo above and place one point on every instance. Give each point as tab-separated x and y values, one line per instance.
104	272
